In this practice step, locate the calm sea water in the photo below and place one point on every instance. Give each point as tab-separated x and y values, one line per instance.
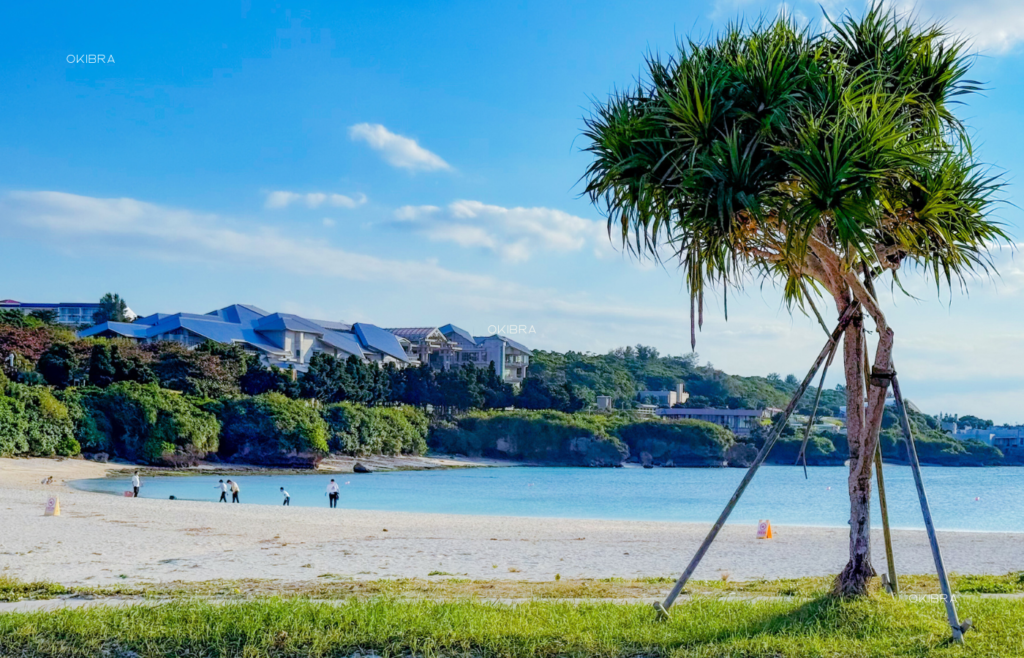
778	493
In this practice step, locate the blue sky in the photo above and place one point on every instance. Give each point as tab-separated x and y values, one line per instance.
413	164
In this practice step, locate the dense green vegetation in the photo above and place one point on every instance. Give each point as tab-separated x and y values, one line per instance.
876	626
623	372
161	403
541	436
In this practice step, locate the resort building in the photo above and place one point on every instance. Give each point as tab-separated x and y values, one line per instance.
428	346
999	436
448	346
740	421
280	339
73	314
664	398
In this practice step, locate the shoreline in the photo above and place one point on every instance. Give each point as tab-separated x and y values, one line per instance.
70	484
106	540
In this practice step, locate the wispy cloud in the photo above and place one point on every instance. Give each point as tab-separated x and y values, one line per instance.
412	213
282	199
991	26
398	151
173	234
516	234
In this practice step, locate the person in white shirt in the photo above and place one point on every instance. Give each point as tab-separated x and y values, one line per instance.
223	491
332	493
136	483
287	498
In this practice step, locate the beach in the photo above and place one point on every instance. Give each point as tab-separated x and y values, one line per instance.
104	540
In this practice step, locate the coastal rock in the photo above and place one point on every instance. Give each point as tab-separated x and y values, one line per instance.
100	457
359	468
646	460
594	451
254	454
741	455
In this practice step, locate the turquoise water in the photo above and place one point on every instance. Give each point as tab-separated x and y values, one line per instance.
778	493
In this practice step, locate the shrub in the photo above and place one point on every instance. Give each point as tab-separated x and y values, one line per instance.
546	436
146	422
45	423
678	442
355	429
271	426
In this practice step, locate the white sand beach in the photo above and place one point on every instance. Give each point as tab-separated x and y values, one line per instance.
102	539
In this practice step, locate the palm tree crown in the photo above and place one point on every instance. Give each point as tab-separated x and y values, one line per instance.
780	154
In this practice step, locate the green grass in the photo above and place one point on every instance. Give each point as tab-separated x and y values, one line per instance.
780	628
444	585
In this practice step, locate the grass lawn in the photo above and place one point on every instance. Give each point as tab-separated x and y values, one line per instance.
703	626
451	617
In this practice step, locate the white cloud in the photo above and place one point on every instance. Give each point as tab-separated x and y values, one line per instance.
514	233
282	199
995	26
173	234
397	150
328	222
412	213
992	26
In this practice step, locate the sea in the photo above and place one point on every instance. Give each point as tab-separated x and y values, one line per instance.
978	499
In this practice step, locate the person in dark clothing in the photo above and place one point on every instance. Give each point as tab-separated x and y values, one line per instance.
333	493
234	491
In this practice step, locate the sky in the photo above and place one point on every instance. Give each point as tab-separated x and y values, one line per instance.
418	164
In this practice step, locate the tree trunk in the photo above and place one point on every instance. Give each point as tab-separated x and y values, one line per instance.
854	578
863	424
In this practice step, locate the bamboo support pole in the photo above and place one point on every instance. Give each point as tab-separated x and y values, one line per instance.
915	465
889	559
844	320
814	411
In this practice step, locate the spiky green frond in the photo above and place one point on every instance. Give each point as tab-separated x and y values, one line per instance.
738	152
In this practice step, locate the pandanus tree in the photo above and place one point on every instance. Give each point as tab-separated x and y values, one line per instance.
826	164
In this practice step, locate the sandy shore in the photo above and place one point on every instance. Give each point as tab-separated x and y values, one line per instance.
101	539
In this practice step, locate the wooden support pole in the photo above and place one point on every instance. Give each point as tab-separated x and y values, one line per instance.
915	465
844	320
889	559
814	411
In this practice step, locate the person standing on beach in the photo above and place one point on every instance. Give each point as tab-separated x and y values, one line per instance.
223	491
332	493
136	484
287	498
234	491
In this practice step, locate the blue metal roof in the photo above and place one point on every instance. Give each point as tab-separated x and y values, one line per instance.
152	319
507	341
126	329
240	313
342	341
240	323
286	321
452	329
380	340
